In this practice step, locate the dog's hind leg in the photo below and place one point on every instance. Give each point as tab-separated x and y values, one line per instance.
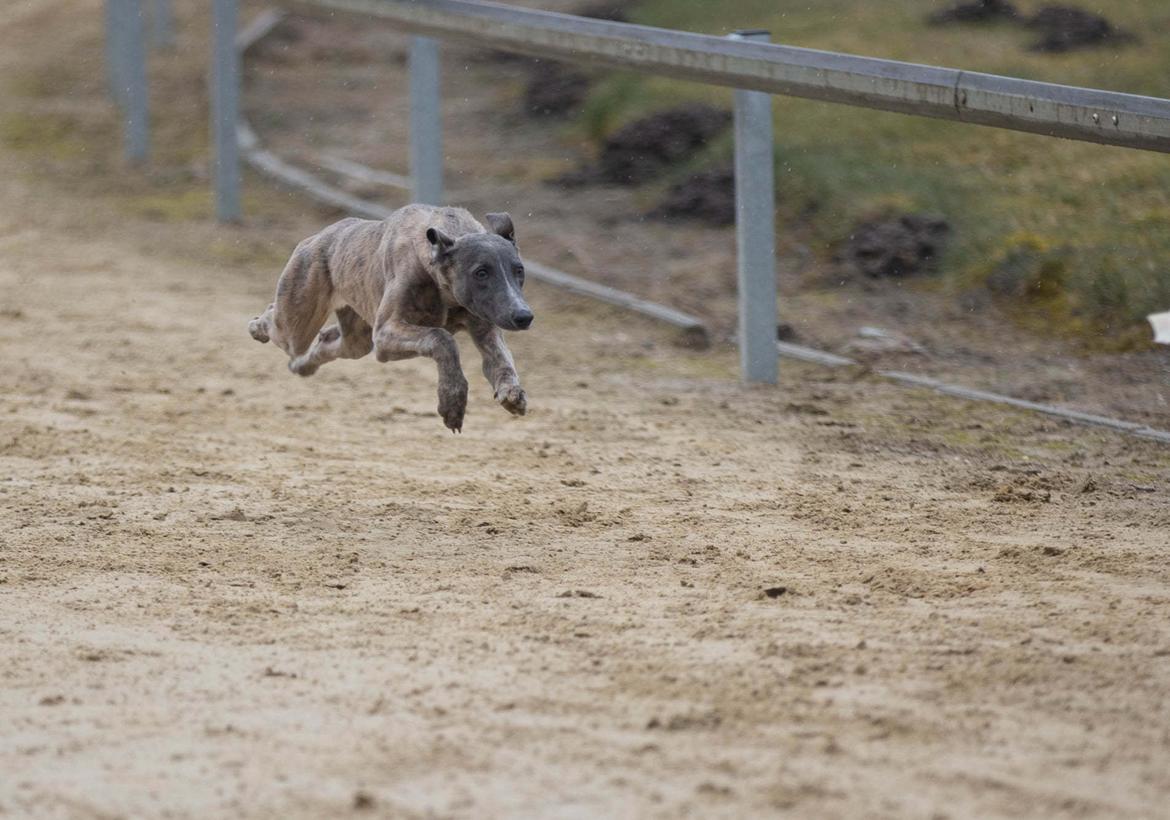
350	338
303	299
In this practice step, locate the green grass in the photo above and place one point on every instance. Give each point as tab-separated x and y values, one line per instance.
1100	214
53	135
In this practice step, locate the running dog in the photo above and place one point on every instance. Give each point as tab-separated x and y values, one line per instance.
401	287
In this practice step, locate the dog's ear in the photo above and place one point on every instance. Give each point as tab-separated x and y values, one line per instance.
502	225
440	243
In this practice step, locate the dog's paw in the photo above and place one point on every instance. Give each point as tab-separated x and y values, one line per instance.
513	399
258	327
453	404
303	366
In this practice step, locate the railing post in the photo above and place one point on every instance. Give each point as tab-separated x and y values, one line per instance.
755	229
115	30
163	24
225	104
426	128
134	82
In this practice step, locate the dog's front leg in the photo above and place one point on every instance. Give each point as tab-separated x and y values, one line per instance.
395	340
498	367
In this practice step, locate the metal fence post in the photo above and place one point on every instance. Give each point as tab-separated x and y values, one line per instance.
163	24
134	82
426	128
225	104
755	228
114	31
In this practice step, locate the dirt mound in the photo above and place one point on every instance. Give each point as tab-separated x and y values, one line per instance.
611	10
904	245
554	90
979	11
1061	28
707	196
1066	28
645	148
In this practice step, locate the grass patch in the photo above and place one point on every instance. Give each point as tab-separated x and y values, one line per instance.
180	205
53	136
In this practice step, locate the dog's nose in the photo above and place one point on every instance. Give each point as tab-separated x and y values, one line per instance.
522	319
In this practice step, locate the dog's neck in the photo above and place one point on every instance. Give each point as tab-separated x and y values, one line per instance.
443	286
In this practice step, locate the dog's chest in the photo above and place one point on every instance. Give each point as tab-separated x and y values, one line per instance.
425	307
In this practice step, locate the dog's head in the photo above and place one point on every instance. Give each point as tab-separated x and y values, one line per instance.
484	272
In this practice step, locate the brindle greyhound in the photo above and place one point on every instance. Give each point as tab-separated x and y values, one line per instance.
401	287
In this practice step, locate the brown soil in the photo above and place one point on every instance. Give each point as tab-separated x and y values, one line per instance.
226	591
903	245
1061	28
554	89
616	11
649	146
979	11
707	196
1067	28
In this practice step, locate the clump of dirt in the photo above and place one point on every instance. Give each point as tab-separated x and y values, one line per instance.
904	245
979	11
687	722
1066	28
707	196
554	89
1015	494
645	148
611	10
1061	28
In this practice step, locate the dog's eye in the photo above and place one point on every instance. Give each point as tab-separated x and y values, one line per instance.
481	273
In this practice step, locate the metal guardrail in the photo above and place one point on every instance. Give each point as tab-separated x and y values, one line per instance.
1107	117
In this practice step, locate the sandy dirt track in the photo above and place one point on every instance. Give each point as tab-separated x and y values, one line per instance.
229	592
